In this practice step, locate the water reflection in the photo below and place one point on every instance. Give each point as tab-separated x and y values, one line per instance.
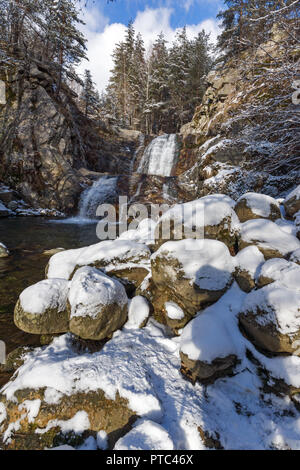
27	239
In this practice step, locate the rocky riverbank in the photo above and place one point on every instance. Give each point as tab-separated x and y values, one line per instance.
195	337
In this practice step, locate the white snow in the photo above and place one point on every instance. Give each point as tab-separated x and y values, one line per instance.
268	235
295	256
173	310
146	435
3	413
260	204
91	289
78	424
286	226
102	442
143	366
109	253
278	269
208	211
138	312
47	294
249	259
206	263
32	408
209	335
145	232
280	307
294	194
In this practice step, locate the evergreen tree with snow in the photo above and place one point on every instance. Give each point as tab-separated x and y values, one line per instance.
90	96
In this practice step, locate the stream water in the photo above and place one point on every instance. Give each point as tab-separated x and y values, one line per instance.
27	238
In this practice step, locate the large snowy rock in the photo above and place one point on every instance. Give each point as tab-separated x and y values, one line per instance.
209	346
272	241
206	349
125	259
146	435
97	304
42	308
278	269
4	253
193	272
292	202
210	217
270	317
247	263
256	206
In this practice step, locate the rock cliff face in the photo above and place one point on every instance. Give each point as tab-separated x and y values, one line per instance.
242	135
45	139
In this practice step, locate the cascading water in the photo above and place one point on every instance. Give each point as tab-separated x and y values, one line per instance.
160	156
102	191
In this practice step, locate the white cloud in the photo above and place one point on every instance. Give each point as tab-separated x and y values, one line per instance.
150	22
188	4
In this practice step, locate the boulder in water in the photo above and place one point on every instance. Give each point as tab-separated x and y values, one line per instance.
42	308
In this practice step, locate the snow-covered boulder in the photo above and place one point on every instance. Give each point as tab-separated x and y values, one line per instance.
210	217
247	263
256	206
292	202
272	241
138	312
4	253
278	269
206	349
97	304
209	346
192	273
146	435
42	308
295	256
124	259
270	317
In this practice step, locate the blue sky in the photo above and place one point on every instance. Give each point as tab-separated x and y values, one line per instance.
106	25
185	11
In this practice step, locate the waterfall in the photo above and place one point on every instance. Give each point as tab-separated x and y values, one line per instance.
102	191
160	156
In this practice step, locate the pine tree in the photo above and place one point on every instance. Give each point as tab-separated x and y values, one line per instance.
90	96
157	91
